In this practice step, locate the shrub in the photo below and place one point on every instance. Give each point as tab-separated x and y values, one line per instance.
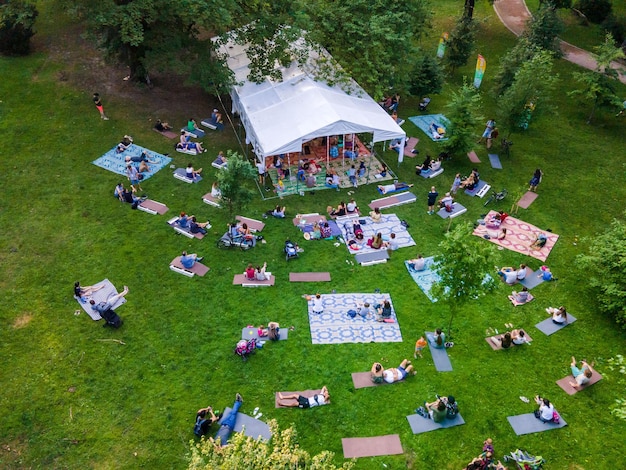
616	26
596	11
17	18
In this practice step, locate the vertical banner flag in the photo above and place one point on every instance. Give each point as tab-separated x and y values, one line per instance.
481	65
441	49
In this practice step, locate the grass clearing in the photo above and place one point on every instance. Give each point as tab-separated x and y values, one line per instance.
73	401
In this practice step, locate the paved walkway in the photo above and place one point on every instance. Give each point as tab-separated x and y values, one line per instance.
514	14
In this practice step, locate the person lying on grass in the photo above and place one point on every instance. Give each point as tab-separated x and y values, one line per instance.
393	374
301	401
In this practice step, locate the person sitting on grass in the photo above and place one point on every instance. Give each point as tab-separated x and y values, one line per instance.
272	332
216	192
581	376
247	234
471	181
438	340
417	264
383	311
301	401
506	341
162	126
425	166
436	410
340	211
436	164
392	374
545	412
279	212
540	241
519	337
129	197
203	423
250	272
375	215
259	274
191	173
124	144
192	125
198	227
188	260
376	242
559	315
508	275
220	159
325	231
352	207
520	297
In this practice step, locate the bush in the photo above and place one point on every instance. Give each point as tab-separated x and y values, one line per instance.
596	11
427	77
16	26
616	26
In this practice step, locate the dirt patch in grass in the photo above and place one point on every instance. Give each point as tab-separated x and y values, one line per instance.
23	320
84	67
11	454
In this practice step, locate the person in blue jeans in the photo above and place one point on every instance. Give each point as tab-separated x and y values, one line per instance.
228	423
188	260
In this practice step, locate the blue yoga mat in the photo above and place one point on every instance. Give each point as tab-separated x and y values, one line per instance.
528	424
426	278
495	161
424	122
419	424
116	163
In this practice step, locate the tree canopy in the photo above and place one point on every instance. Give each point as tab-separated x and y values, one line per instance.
464	118
462	266
17	18
232	180
605	261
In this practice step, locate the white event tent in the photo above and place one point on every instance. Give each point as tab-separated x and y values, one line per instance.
279	117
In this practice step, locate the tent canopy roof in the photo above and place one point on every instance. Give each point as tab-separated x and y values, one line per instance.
279	117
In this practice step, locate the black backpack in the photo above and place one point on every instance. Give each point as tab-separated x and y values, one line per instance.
111	318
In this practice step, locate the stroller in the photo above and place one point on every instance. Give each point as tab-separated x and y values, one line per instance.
291	250
524	461
245	348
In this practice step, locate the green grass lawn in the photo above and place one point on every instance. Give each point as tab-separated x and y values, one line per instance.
73	401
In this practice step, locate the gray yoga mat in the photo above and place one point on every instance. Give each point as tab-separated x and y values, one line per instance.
494	159
548	326
372	256
457	209
253	427
528	424
440	356
182	172
532	279
419	424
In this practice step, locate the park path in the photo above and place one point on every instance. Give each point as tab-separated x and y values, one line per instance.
514	14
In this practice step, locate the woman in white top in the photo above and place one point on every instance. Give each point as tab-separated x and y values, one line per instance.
215	190
318	304
260	274
546	410
300	401
559	315
519	337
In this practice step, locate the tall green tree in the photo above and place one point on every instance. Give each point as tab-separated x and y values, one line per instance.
155	34
235	182
427	76
464	117
605	261
374	43
461	42
463	265
543	29
534	83
17	19
599	87
280	452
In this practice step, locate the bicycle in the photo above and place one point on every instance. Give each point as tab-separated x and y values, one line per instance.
229	241
506	147
496	196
